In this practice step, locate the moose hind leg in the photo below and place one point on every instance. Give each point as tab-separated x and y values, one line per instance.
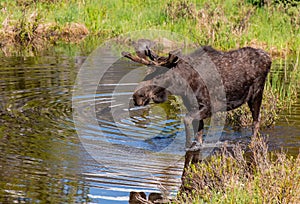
254	105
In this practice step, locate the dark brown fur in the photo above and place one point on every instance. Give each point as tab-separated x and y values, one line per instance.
242	73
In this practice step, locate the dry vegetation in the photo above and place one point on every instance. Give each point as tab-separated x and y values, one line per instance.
236	176
270	109
31	30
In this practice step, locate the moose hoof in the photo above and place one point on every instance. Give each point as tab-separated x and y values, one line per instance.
196	146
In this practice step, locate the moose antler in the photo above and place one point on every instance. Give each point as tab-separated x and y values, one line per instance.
146	56
138	59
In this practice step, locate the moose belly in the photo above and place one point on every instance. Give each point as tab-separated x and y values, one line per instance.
231	99
237	98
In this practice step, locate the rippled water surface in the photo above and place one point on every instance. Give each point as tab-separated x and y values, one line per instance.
42	158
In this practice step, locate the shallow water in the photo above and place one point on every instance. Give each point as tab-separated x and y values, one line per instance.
42	159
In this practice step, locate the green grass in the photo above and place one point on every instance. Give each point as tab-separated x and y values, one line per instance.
223	24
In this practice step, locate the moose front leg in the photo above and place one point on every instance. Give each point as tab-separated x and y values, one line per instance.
199	126
188	120
188	130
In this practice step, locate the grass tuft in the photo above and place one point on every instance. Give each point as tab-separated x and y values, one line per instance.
236	176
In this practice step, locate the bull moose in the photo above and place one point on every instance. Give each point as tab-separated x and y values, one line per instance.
240	74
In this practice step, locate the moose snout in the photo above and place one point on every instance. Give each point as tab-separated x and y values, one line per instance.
140	102
137	102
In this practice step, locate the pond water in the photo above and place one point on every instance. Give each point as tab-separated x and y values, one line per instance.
42	159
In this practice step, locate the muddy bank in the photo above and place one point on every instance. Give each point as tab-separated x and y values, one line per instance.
38	36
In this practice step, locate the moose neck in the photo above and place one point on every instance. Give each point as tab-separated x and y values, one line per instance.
173	81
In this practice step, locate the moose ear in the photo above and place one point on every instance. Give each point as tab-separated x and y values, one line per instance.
174	57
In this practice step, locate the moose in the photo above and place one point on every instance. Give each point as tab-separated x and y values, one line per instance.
208	81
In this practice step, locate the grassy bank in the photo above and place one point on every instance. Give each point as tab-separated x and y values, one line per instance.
236	176
223	24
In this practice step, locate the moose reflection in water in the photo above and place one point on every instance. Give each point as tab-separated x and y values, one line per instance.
242	74
192	157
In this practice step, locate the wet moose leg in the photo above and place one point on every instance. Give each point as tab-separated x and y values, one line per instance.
254	105
199	134
188	120
188	132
